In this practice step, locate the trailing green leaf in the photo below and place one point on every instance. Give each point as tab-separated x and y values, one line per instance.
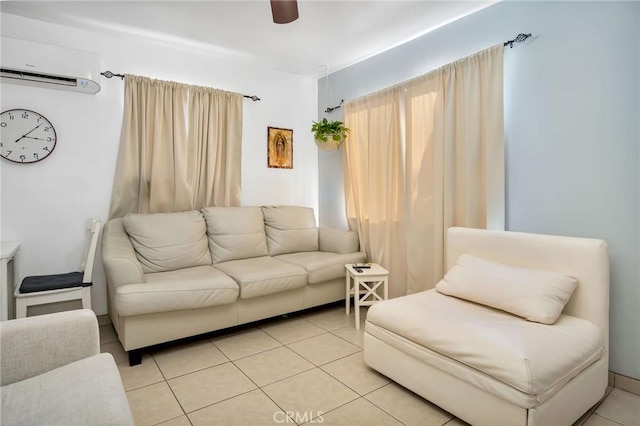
324	129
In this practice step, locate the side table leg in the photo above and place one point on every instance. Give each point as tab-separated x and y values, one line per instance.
386	288
348	286
356	301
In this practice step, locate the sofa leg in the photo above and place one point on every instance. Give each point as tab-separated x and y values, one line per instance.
135	357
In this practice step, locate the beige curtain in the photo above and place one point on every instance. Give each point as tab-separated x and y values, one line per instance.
374	189
452	167
180	148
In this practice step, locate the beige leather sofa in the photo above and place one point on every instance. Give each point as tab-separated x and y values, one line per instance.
175	275
494	343
53	373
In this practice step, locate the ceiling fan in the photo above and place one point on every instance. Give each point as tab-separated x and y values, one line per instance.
284	11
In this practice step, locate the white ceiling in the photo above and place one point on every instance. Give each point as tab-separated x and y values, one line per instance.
328	33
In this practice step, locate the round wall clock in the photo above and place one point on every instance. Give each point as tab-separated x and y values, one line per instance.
25	136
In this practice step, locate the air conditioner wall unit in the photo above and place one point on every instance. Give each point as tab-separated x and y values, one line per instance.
53	67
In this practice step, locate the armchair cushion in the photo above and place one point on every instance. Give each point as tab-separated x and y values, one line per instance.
34	345
536	295
53	374
520	361
168	241
85	392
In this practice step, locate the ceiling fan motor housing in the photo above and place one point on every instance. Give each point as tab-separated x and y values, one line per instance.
284	11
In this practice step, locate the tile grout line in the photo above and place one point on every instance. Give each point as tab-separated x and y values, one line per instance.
171	390
321	367
605	417
247	356
262	391
340	337
166	380
334	409
299	340
313	366
173	418
382	409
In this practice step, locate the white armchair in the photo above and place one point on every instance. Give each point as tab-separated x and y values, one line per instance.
52	372
506	349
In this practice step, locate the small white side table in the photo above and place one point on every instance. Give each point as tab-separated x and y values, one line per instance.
7	277
364	287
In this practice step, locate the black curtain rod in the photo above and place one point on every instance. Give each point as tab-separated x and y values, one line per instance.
520	38
109	74
331	109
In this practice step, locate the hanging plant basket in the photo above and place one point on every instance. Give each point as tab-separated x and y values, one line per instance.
329	145
329	135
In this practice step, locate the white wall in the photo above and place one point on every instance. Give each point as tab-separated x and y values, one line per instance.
572	108
44	205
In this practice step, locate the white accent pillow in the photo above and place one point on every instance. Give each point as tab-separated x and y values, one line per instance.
538	296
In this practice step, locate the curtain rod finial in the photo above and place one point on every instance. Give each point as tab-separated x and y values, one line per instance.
520	38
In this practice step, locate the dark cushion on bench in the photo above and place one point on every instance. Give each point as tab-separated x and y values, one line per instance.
52	282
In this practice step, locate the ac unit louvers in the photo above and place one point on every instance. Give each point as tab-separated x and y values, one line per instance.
53	67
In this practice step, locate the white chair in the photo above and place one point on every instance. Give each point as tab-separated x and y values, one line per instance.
52	373
43	289
490	366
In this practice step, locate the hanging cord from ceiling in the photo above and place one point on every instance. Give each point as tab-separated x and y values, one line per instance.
520	38
327	86
109	74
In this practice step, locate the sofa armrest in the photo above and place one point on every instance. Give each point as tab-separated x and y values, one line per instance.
338	240
34	345
118	256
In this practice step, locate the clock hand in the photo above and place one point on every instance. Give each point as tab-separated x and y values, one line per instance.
31	137
29	132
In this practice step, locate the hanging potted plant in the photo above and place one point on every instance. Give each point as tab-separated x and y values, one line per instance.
329	134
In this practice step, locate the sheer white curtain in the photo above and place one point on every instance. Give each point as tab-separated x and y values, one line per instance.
180	148
450	139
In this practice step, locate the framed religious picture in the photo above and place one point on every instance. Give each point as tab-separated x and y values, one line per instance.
279	148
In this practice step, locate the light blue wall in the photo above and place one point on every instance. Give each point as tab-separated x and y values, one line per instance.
572	114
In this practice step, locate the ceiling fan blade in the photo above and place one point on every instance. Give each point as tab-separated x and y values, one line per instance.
284	11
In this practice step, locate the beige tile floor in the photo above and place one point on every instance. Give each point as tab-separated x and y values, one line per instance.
309	366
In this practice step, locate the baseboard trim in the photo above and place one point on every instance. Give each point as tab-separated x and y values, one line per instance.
624	383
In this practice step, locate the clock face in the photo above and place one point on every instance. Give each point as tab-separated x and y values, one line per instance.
25	136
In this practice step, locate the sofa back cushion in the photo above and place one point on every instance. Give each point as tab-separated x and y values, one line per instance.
168	241
235	233
290	229
536	295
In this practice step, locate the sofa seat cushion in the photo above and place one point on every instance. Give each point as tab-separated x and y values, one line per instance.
264	275
85	392
168	241
487	345
190	288
322	266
